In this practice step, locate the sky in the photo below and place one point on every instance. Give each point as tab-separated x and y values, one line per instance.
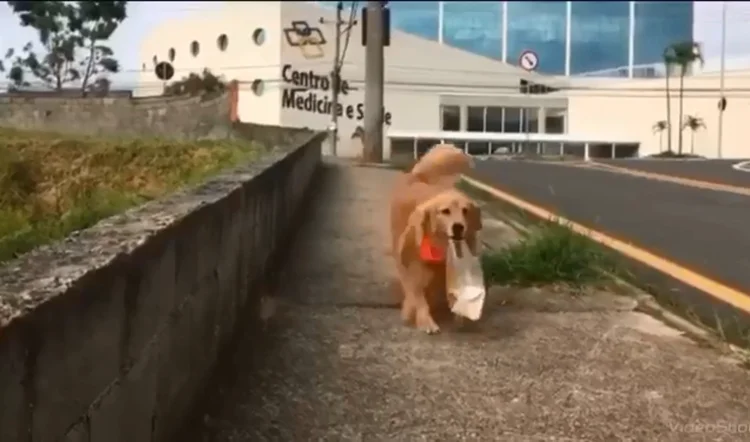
707	30
145	16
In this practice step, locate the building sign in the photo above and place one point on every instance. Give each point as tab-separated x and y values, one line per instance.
310	92
309	40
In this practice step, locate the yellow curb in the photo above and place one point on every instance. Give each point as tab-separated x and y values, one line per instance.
702	184
714	288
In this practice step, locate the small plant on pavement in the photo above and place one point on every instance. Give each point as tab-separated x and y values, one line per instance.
659	128
550	254
694	124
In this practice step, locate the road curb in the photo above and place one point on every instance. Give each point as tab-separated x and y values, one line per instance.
689	182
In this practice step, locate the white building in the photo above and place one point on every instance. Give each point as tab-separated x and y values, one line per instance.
429	87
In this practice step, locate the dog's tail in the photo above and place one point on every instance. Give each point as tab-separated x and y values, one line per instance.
442	163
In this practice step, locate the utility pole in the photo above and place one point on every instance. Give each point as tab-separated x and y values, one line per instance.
374	61
336	81
722	100
341	27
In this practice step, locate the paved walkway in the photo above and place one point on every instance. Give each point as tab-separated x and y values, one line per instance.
335	363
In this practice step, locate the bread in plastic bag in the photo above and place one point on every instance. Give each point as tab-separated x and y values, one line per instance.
465	281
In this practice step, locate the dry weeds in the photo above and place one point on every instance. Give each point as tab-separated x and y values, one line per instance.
52	184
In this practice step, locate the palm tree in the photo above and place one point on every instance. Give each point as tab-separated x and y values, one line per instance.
683	54
667	67
694	124
658	128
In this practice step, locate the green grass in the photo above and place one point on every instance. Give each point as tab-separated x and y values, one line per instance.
52	185
673	154
549	254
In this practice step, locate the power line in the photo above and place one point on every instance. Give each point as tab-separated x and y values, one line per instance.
463	89
350	25
494	74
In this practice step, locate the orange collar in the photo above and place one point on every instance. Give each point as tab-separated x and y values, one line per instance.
430	252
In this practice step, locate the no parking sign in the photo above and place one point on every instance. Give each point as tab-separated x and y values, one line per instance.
528	60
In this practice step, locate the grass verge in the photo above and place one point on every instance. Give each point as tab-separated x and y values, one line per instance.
573	251
52	185
672	155
548	254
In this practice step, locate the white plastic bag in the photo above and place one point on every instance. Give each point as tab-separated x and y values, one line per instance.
465	281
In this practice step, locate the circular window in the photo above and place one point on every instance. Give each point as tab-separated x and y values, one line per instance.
172	54
259	36
195	48
222	42
257	87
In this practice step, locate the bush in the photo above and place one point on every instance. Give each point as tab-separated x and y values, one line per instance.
194	85
551	254
52	184
672	154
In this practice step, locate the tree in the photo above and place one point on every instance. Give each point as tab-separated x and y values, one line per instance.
694	124
667	68
71	34
100	87
194	84
659	127
682	54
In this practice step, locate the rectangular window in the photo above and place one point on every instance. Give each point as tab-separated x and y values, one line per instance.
554	121
494	119
531	120
475	121
450	117
512	120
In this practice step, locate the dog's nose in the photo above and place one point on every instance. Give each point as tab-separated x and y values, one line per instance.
457	230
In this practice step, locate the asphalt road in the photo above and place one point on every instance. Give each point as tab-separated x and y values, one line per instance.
715	171
703	230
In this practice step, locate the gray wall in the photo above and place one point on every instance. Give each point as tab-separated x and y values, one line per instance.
180	117
110	335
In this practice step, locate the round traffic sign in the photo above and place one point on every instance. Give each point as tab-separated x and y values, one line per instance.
528	60
164	71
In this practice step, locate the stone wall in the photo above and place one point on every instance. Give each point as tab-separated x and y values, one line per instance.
181	117
268	135
112	334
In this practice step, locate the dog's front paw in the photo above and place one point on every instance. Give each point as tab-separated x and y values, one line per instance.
425	323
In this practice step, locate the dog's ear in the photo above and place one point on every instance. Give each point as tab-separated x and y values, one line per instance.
474	225
427	224
418	224
474	218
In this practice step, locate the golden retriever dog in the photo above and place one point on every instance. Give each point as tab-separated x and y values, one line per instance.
426	205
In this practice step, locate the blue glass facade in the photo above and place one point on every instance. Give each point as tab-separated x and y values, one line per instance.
538	27
659	24
599	36
418	18
474	26
569	37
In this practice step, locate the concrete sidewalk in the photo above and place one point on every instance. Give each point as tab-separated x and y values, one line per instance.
336	364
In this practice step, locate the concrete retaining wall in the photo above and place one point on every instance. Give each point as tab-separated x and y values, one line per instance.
111	334
175	117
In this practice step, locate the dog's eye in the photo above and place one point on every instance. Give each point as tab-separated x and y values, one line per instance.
446	211
465	210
